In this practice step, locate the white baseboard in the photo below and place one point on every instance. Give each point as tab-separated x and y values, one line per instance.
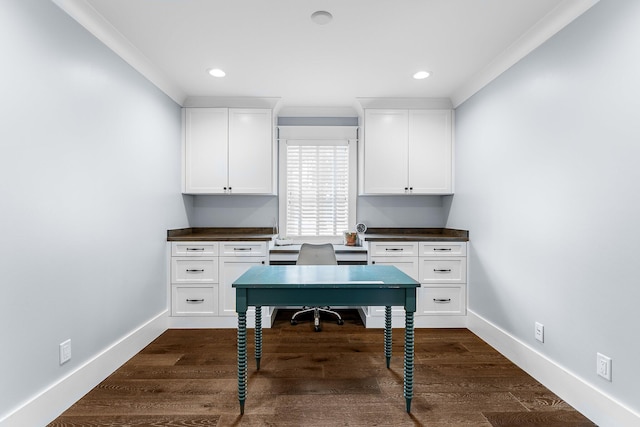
418	321
49	404
219	322
588	400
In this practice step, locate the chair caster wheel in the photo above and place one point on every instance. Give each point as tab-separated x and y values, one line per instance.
340	322
294	322
317	328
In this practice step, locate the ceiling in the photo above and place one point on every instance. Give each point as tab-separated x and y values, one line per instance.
272	50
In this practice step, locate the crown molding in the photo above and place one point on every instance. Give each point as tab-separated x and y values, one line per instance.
543	30
96	24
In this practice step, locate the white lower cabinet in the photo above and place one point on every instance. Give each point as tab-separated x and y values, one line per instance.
230	269
194	279
406	264
441	269
194	300
202	274
194	270
441	300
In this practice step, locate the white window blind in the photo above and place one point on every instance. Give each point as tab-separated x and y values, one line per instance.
317	181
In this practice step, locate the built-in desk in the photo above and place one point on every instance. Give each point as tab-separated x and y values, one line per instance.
346	255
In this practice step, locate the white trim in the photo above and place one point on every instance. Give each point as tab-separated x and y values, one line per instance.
588	400
104	31
419	322
548	26
54	400
317	135
221	322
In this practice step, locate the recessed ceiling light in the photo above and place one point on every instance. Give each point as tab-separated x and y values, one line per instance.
217	72
421	75
321	17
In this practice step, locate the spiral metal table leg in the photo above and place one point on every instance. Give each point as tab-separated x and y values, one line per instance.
387	334
408	359
242	359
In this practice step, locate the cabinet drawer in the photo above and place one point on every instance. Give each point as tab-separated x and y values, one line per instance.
243	248
194	249
194	270
408	265
445	300
443	270
393	248
194	300
432	249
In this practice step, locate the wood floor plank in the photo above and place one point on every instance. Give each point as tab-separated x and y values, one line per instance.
558	418
137	420
337	377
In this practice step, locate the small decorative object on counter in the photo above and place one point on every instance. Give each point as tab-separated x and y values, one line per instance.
361	228
350	238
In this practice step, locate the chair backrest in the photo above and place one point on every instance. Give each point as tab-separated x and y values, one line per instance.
317	254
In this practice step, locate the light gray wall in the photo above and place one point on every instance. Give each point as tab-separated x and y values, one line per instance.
401	211
262	211
548	185
234	211
89	184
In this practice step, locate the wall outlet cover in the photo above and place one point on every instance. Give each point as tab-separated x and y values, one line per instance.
603	367
65	351
539	332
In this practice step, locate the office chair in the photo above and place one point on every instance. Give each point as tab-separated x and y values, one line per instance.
316	255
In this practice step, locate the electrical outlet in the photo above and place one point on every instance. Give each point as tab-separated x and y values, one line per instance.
603	367
65	351
539	332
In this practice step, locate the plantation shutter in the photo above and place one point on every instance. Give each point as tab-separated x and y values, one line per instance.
317	188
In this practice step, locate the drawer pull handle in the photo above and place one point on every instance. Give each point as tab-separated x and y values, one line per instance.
195	249
195	300
193	270
394	249
442	249
242	249
442	300
442	270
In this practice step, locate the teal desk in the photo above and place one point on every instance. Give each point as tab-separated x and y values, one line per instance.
319	285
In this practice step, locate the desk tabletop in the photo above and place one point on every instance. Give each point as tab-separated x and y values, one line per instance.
325	276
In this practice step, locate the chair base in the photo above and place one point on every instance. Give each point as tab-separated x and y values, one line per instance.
316	316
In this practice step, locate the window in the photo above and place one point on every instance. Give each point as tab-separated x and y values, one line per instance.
317	189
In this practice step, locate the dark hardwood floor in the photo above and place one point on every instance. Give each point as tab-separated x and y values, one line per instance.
337	377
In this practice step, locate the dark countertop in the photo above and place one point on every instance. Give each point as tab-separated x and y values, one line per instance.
200	234
203	234
415	235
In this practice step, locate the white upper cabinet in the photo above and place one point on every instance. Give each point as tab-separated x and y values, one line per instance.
407	152
228	151
386	151
206	150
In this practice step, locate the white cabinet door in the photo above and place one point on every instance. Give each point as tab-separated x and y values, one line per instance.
205	162
251	151
228	151
406	264
230	268
407	152
385	151
430	152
